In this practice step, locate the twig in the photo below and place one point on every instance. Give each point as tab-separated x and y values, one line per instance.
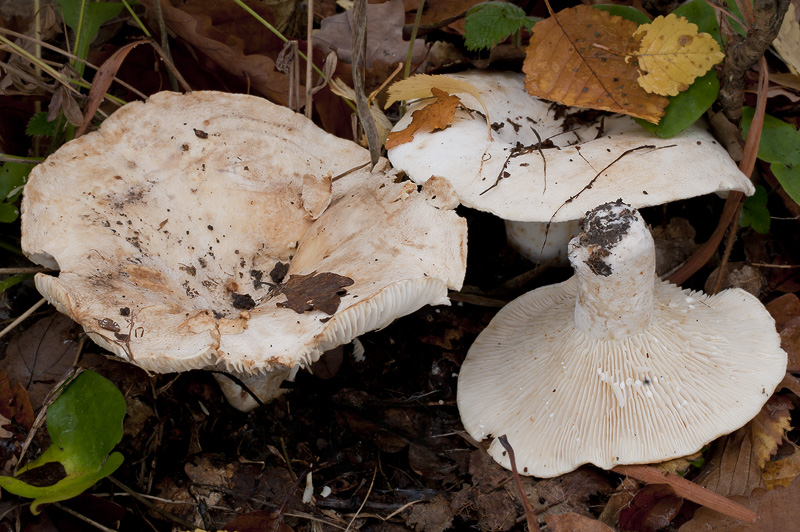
366	497
150	505
359	62
32	269
83	518
22	317
533	523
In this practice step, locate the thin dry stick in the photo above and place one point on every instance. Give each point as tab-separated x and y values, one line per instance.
533	523
83	518
366	497
688	490
310	55
22	317
18	271
150	505
758	123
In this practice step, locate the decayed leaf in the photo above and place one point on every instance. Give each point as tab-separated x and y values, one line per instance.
736	465
340	88
787	43
434	116
777	510
233	39
574	523
14	404
384	35
422	85
653	508
577	57
782	472
314	291
673	54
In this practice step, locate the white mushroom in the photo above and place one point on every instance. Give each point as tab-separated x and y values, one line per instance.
615	366
184	224
585	158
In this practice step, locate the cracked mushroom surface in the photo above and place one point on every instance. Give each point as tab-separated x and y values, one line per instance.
550	163
210	230
615	366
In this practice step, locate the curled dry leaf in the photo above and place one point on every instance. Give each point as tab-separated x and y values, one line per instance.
422	85
673	54
577	57
787	43
435	116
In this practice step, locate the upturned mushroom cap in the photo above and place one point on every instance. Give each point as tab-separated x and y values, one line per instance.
578	147
615	366
184	224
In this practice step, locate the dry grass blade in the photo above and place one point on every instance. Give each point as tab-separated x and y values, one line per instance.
688	490
359	51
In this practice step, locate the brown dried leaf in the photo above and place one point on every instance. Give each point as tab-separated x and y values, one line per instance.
735	467
577	57
434	116
40	356
653	508
15	405
231	38
686	489
777	510
574	523
258	521
384	35
786	312
314	291
102	81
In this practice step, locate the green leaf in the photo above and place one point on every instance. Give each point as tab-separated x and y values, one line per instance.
754	211
780	141
38	126
8	213
13	177
8	282
789	178
490	23
626	12
85	18
686	108
84	423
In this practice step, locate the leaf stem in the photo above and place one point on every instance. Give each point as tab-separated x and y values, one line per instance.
414	30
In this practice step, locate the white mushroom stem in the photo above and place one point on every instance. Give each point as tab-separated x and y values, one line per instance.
614	261
537	243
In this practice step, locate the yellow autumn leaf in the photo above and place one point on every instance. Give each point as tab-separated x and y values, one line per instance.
420	85
672	54
782	472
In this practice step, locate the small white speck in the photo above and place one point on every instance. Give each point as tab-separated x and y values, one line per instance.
325	491
551	415
685	402
648	393
441	402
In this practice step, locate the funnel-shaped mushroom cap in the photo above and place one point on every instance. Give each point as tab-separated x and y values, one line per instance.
615	366
189	227
579	148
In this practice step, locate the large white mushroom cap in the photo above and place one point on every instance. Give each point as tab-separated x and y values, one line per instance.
615	366
174	223
545	185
